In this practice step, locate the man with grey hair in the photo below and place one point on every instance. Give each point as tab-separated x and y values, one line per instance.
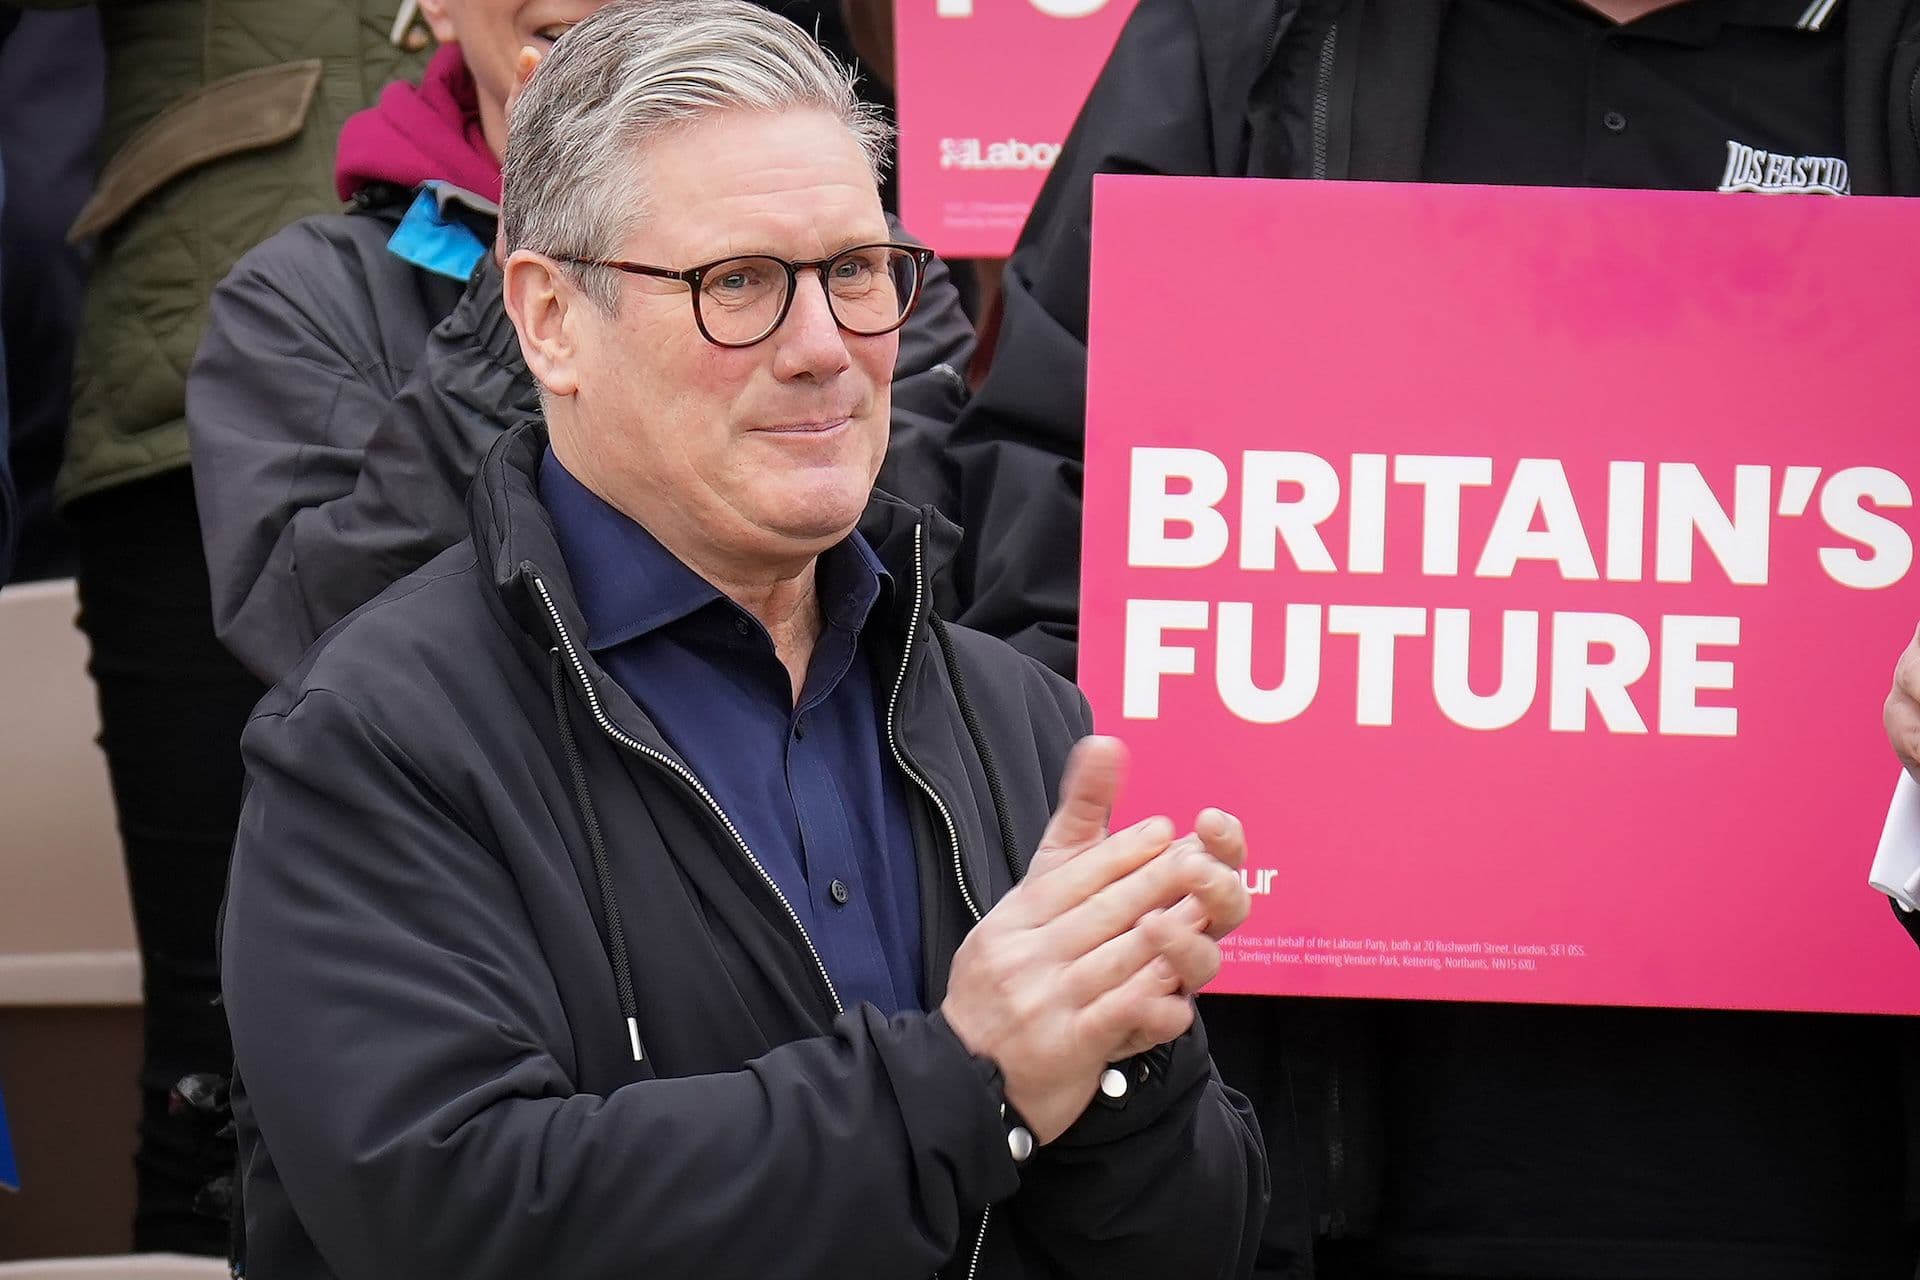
653	884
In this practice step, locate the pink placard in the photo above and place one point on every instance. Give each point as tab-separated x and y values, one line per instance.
988	91
1525	566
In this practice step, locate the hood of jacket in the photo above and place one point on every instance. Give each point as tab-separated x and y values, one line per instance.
420	133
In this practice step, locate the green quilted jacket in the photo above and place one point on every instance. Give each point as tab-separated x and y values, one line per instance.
221	121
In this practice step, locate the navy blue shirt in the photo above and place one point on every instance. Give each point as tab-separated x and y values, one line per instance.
812	787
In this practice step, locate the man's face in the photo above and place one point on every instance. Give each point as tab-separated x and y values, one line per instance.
755	455
491	34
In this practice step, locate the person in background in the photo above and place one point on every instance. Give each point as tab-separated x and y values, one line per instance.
51	99
1460	1140
653	884
357	366
221	117
1900	716
860	34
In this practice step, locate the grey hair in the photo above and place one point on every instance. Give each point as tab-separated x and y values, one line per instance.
631	73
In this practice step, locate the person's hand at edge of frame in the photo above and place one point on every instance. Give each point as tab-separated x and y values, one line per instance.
1901	714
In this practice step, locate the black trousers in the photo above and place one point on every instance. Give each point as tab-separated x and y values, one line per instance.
172	704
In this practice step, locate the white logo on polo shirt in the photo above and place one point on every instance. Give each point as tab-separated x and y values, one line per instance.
1772	173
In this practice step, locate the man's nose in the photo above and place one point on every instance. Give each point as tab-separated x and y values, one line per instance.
810	342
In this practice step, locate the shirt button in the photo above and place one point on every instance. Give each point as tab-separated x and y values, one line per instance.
1020	1144
742	626
1113	1083
839	891
1614	121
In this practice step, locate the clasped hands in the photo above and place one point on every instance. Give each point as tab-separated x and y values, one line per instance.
1096	954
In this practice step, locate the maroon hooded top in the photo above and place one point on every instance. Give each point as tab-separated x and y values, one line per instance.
421	133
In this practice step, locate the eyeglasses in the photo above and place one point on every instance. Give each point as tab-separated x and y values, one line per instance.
871	289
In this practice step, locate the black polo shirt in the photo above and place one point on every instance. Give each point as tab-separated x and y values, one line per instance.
1730	95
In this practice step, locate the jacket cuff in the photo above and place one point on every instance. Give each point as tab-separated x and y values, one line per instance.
1139	1092
1910	920
951	1102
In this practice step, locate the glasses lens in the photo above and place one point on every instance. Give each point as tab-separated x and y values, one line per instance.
741	298
872	287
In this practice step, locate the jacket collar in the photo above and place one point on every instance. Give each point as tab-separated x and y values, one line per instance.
1377	90
513	535
416	133
515	544
629	585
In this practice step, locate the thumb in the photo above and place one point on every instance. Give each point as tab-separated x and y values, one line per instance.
1088	790
523	69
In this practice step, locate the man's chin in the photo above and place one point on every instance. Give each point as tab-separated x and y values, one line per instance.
821	520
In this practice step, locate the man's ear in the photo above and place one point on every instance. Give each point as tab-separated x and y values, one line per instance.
438	21
546	309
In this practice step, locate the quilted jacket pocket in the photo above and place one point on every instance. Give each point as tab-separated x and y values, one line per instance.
245	112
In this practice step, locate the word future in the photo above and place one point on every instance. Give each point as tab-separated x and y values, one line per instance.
1174	521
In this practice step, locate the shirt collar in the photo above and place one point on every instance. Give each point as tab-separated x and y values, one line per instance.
629	585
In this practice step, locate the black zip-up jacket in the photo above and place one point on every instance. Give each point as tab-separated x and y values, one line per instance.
1286	89
342	399
511	998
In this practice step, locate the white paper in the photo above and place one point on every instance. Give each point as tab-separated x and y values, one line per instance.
1896	864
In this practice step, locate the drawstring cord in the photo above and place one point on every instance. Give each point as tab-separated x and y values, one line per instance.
602	874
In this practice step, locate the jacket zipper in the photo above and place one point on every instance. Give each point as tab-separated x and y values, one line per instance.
946	815
893	737
1913	109
1336	1121
639	748
634	745
1336	1157
1323	100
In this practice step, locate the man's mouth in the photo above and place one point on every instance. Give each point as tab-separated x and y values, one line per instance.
810	426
